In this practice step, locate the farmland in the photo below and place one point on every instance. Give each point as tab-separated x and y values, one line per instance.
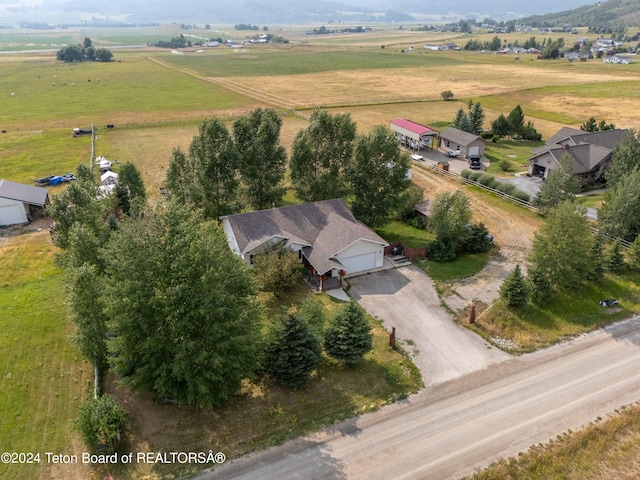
155	101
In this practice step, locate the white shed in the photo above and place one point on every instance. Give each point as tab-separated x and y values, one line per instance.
109	178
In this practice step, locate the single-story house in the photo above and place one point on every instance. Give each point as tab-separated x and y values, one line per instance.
327	237
412	135
17	200
590	152
455	139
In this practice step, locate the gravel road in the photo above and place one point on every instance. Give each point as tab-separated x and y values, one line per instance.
452	429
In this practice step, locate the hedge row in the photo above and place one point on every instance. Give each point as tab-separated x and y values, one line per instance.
492	182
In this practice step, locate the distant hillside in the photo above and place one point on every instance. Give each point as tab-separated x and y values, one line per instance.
612	13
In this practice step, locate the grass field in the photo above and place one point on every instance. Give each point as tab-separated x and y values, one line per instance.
42	376
564	314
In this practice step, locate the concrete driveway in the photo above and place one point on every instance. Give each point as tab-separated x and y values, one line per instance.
405	298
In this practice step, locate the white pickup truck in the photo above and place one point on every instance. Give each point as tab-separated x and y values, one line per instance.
453	153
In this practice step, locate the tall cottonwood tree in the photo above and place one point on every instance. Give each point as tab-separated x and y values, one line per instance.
130	190
206	178
378	176
181	306
262	160
561	185
625	158
320	157
620	213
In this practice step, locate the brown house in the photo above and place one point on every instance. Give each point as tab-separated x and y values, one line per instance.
590	153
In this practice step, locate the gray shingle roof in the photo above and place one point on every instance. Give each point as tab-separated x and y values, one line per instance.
37	196
459	136
324	229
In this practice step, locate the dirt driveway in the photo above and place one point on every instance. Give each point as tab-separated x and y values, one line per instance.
513	231
405	298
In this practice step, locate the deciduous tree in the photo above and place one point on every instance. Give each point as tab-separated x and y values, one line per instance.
379	176
181	308
262	160
321	155
130	190
562	247
625	158
450	213
101	421
561	185
620	213
276	271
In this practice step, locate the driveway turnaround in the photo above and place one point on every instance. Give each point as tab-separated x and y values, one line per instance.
406	298
450	430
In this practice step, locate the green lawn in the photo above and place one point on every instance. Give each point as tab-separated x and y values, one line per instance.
397	231
518	153
463	266
43	379
592	201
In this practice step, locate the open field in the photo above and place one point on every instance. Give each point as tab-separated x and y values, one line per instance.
43	378
157	105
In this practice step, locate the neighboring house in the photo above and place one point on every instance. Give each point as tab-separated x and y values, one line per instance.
589	151
451	46
434	47
327	237
412	135
455	139
617	58
574	56
17	201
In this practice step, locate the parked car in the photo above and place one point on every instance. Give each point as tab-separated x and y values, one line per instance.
610	302
453	153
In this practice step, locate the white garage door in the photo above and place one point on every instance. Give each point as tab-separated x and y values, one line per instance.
12	214
358	263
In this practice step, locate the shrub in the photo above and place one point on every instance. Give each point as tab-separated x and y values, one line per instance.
520	195
504	165
495	138
475	175
466	173
487	180
508	188
417	222
447	95
101	421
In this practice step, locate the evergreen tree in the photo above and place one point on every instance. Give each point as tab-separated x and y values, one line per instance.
615	258
348	337
516	121
460	120
312	311
476	118
500	126
293	353
539	286
514	290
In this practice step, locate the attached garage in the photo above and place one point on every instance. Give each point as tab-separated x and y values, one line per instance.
17	201
361	256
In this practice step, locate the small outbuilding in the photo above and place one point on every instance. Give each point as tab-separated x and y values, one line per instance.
18	201
467	143
109	178
412	135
